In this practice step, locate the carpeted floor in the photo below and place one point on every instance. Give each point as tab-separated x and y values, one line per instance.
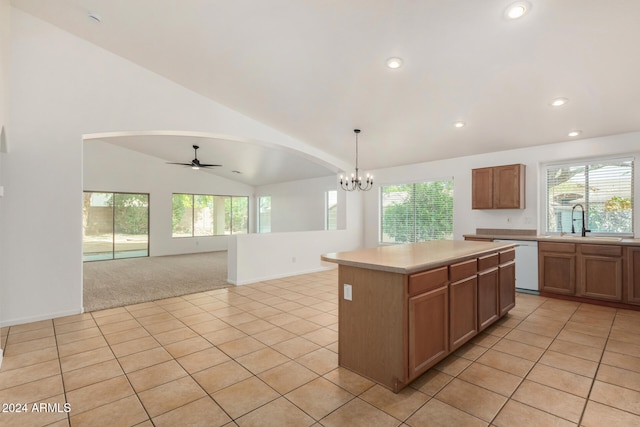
120	282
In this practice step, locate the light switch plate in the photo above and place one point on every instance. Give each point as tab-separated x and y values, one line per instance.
348	292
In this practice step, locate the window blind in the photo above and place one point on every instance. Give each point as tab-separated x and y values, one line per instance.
603	187
416	212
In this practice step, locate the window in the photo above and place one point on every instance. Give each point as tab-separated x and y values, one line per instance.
264	214
416	212
603	187
115	225
331	210
195	215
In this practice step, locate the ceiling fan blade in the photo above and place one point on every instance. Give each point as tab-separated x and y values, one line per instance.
195	163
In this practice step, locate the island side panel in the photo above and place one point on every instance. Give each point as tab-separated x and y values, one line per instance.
372	326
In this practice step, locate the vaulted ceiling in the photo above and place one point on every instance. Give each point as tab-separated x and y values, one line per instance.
316	70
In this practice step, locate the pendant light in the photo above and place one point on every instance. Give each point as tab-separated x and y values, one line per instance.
355	182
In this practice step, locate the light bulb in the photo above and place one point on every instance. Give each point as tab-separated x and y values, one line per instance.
394	63
558	102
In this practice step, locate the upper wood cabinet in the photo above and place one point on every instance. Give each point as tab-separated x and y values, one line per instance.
498	187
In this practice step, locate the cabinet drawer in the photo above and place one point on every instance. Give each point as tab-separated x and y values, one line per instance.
488	261
463	269
557	247
603	250
508	255
427	280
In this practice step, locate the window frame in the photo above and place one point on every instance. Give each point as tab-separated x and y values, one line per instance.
113	225
259	218
228	214
327	207
544	192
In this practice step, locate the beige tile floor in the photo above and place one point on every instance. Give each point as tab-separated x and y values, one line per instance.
266	354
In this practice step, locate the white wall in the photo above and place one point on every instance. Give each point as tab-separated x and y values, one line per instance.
299	205
62	88
466	220
257	257
5	24
111	168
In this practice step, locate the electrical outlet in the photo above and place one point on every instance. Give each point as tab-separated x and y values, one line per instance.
348	295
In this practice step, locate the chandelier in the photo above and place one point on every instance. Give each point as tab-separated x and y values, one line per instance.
355	182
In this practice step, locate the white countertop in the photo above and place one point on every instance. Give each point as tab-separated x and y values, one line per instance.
413	257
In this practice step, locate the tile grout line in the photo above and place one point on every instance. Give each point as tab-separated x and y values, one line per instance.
595	375
215	346
535	364
121	367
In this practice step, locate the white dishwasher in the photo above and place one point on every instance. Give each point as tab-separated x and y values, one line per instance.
526	264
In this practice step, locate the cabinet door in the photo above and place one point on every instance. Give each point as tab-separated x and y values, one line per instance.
601	277
557	272
507	286
633	276
508	187
488	291
428	326
463	311
482	188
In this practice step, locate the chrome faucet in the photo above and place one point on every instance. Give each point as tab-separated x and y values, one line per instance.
573	230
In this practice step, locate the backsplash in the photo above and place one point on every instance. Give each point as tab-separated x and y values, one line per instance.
507	231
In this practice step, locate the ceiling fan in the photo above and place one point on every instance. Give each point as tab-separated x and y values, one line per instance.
195	163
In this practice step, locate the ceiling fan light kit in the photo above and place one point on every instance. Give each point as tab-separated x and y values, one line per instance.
195	163
355	181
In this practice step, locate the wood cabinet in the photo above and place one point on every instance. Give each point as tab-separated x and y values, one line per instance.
600	272
396	326
488	290
482	188
488	297
498	187
428	319
463	317
632	258
557	267
507	281
463	302
580	269
428	326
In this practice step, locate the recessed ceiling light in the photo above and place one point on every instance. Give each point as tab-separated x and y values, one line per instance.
459	124
517	10
394	63
558	102
575	133
95	17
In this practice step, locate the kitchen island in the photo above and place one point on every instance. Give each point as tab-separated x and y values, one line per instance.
403	308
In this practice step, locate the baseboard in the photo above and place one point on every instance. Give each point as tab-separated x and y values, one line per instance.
22	320
278	276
